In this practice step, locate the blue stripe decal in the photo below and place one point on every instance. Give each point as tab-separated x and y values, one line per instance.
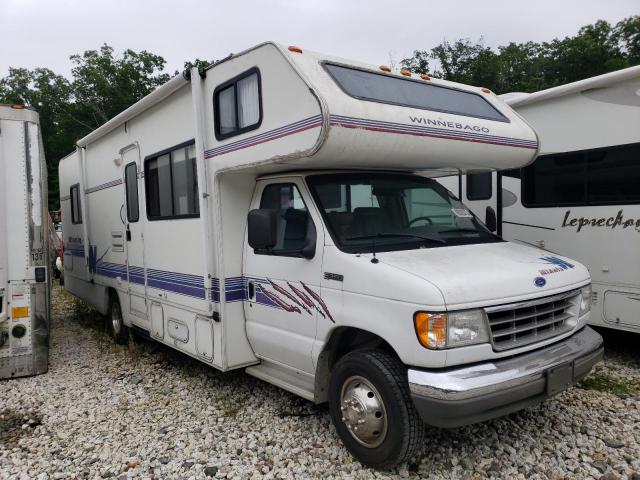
181	283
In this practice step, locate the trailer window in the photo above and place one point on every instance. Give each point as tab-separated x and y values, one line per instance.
292	217
172	184
387	88
131	186
605	176
479	186
237	105
76	211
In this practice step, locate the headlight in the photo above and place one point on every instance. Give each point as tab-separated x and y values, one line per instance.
453	329
585	300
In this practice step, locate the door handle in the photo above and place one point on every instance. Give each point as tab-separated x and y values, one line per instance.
251	286
128	234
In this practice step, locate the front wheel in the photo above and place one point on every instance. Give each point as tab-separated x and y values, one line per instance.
117	328
372	410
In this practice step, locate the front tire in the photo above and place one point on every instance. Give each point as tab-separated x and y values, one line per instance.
118	330
372	410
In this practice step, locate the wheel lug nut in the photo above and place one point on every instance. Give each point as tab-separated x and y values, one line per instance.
344	419
355	428
361	421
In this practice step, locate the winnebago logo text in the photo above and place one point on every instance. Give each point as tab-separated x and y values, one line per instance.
611	222
559	265
442	123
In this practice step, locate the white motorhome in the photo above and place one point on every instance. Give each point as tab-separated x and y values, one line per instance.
24	251
581	197
265	214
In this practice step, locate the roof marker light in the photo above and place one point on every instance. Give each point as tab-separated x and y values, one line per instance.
485	90
17	106
293	48
406	72
384	68
424	76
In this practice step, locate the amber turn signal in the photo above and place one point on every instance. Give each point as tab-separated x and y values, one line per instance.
431	329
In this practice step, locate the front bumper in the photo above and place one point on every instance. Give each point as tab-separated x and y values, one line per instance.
460	396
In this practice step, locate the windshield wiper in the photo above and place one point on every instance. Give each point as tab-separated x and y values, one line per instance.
460	230
387	235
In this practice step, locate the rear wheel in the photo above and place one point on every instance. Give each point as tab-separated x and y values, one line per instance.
372	410
119	331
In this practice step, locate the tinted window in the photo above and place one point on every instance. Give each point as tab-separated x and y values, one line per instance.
479	186
368	211
76	210
291	213
379	87
131	185
237	105
172	184
595	177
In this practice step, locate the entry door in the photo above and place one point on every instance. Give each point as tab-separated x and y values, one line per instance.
283	288
479	191
134	233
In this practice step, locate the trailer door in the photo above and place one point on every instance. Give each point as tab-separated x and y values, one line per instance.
136	268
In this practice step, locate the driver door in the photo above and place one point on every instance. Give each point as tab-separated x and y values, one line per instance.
282	307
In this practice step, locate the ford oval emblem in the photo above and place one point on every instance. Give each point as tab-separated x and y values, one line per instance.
539	281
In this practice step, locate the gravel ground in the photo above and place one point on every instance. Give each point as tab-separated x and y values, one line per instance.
146	411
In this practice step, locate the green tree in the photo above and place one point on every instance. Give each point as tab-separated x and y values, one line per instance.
596	49
102	86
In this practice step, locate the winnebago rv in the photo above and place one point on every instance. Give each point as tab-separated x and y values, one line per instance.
24	251
265	214
581	197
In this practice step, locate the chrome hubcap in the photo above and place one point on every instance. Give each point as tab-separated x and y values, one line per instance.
363	411
116	318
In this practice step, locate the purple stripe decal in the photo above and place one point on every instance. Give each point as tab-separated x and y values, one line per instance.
97	188
421	131
280	132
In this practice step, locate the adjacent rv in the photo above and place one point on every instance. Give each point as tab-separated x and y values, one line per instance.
581	197
266	214
24	245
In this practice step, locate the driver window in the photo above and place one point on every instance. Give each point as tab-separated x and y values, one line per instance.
291	214
426	202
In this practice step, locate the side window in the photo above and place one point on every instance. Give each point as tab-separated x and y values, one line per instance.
171	181
292	216
76	211
131	186
479	186
605	176
237	105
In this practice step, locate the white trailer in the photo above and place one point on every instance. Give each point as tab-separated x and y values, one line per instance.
265	214
24	250
581	197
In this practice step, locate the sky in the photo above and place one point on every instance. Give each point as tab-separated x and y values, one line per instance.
44	33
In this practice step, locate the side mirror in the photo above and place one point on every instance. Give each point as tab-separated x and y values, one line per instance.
262	229
491	220
309	248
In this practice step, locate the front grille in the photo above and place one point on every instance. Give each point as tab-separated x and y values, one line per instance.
519	324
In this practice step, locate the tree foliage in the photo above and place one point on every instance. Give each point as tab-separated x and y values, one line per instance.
531	66
101	86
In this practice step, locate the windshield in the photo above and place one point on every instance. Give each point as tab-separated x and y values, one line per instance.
384	212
